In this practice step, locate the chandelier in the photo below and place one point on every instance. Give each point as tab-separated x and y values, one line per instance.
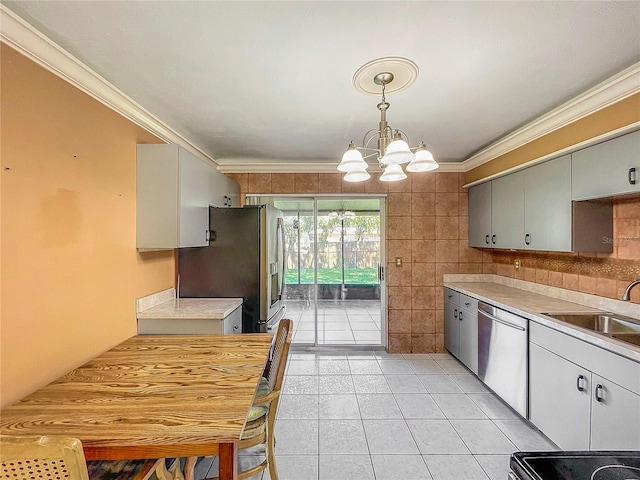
392	150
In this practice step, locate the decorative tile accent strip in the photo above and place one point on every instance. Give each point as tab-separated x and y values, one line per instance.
612	268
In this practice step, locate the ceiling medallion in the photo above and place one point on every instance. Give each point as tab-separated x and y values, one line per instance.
377	77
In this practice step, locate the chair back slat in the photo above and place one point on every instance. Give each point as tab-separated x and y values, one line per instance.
279	354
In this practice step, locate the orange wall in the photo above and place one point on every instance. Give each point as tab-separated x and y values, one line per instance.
69	272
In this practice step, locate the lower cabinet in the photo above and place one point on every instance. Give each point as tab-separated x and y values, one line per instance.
575	407
461	327
559	398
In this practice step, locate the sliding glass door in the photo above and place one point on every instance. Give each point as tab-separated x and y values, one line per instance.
334	291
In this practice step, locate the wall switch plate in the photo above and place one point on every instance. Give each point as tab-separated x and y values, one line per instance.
516	264
398	261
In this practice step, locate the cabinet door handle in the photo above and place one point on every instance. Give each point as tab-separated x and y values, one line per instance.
599	393
632	176
466	304
493	239
455	313
486	239
235	327
460	316
527	239
579	384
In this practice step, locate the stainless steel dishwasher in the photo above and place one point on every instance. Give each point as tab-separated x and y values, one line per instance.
502	354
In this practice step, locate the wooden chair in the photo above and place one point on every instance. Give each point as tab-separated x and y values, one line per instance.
259	429
28	458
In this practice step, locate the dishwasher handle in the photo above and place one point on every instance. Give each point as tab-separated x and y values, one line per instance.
503	322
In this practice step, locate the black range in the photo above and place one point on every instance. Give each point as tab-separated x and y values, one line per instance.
614	465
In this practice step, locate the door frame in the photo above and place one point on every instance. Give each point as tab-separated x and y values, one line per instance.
269	198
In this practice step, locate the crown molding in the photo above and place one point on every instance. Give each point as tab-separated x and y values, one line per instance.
21	36
612	90
251	165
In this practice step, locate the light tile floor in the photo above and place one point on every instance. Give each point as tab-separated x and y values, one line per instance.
347	415
340	322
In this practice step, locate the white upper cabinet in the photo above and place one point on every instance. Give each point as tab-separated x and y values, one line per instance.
507	211
480	215
607	169
547	206
174	189
532	210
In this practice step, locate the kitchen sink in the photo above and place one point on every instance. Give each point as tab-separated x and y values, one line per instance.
627	337
599	322
612	325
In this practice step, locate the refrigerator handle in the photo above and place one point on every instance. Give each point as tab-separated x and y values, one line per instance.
281	249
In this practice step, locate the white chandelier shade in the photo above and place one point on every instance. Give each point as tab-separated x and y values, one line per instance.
397	152
392	173
352	160
357	176
423	162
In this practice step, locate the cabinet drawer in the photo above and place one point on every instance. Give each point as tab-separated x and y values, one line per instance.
468	303
451	296
620	370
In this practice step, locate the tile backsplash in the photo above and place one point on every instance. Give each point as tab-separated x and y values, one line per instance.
606	275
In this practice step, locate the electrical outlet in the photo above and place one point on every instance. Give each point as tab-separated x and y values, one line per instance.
398	261
516	264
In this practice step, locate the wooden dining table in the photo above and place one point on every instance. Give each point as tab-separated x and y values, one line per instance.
152	396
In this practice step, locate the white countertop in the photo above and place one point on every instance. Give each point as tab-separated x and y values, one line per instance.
532	305
177	308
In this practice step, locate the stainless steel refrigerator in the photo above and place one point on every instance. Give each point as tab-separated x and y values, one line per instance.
245	258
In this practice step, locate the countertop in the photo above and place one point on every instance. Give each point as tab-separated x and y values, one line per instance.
210	308
532	305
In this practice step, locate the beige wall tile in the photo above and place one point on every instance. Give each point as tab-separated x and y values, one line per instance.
423	321
398	204
423	251
329	182
399	298
351	187
447	182
399	228
399	343
399	276
374	185
423	274
306	182
399	248
447	228
283	182
423	204
401	186
423	298
423	343
423	182
259	183
423	228
447	251
447	204
400	321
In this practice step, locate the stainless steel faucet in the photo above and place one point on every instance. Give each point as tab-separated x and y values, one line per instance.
626	296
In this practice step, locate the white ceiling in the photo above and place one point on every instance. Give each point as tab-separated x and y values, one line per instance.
273	80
